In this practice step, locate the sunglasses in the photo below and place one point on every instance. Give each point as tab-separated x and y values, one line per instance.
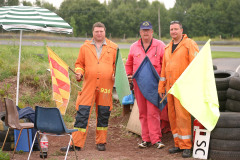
175	22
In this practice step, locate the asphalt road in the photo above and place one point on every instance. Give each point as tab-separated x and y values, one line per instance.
232	64
121	46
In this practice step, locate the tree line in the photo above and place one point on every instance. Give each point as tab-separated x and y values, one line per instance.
122	17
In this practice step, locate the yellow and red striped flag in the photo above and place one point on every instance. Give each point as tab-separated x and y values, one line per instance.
60	81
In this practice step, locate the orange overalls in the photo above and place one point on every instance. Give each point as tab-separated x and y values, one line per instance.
173	66
97	88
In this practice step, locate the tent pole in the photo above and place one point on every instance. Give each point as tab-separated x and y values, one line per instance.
18	73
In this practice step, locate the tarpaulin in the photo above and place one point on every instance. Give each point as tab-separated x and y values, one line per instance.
147	79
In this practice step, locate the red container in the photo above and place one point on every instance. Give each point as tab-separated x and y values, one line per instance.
196	125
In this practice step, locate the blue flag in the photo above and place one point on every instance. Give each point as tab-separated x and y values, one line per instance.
147	79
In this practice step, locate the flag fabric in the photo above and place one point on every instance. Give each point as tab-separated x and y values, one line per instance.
121	79
147	79
60	81
196	89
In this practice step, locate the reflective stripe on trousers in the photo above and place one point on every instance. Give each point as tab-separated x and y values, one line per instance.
182	137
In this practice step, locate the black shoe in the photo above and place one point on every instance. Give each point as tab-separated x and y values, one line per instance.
175	150
101	147
187	153
64	149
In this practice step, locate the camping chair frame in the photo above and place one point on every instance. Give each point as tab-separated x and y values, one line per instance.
41	129
12	121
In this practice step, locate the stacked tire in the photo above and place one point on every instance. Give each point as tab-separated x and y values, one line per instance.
222	79
9	145
225	137
233	95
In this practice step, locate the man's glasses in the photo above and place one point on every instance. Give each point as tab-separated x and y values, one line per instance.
175	22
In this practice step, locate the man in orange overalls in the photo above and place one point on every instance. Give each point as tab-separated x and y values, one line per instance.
96	62
178	55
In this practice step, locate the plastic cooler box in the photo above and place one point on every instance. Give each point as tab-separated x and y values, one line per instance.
23	141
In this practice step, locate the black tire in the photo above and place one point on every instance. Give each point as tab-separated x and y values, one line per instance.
226	133
224	145
228	120
222	78
222	106
234	83
233	105
222	95
3	127
2	116
10	137
9	146
233	94
214	67
224	155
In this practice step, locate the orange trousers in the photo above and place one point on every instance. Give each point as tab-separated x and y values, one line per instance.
82	122
180	122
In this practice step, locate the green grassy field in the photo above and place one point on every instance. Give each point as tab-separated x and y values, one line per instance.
37	80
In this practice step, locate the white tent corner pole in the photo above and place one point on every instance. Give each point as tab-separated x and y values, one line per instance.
18	73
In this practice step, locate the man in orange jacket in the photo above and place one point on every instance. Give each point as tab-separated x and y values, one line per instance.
178	55
96	63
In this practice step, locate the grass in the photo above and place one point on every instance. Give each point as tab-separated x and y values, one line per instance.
37	80
216	54
4	155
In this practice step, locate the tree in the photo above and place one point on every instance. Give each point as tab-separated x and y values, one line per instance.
2	3
46	5
197	19
233	10
223	27
73	24
164	17
26	3
85	14
12	2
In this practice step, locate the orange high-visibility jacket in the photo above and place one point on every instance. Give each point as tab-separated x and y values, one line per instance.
173	66
175	63
97	73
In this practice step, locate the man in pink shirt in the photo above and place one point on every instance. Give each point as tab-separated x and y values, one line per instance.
151	118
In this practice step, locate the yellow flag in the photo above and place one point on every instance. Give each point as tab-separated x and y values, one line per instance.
196	89
60	81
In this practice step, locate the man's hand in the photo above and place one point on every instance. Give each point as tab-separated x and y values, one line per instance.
130	78
79	77
161	95
113	77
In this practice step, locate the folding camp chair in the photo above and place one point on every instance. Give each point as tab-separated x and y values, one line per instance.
12	121
49	121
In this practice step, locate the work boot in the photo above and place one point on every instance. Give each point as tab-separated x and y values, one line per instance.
175	150
159	145
144	144
64	149
187	153
101	147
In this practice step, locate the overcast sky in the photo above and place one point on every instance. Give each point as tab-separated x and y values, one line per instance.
56	3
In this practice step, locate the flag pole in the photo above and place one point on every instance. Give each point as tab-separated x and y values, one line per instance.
163	98
71	81
72	70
